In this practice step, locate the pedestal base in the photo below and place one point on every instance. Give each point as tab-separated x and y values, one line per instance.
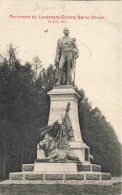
62	173
60	96
61	176
57	167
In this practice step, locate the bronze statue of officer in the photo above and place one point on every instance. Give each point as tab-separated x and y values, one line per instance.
66	55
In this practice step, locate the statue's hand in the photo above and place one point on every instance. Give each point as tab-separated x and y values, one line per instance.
76	56
75	53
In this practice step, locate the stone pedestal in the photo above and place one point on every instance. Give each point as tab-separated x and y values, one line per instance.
52	172
57	167
59	98
65	172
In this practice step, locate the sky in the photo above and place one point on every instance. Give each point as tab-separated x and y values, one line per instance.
98	68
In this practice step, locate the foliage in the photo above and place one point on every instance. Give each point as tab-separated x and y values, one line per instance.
24	109
100	137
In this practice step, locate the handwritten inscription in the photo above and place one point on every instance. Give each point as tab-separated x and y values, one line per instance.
45	8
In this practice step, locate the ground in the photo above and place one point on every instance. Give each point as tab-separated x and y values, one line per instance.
25	188
59	189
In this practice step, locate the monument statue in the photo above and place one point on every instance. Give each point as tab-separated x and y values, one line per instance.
61	153
56	140
65	60
55	145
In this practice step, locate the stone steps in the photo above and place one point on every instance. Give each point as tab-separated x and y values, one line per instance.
27	167
90	172
26	175
91	167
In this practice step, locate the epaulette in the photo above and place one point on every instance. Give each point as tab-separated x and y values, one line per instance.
60	39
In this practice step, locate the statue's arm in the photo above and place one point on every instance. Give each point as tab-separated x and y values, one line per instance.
76	51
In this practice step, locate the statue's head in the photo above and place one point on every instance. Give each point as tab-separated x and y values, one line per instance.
66	31
47	144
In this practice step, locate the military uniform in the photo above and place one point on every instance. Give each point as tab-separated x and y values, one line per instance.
65	56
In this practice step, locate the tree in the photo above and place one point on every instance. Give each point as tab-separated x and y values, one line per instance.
18	114
100	136
37	64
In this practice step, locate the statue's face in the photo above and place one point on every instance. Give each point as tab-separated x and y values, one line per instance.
66	31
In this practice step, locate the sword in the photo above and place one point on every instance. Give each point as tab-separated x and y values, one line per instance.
73	73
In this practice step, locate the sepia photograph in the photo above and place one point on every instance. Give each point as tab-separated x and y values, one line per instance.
60	97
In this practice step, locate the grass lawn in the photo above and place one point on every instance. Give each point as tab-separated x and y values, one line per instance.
59	189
